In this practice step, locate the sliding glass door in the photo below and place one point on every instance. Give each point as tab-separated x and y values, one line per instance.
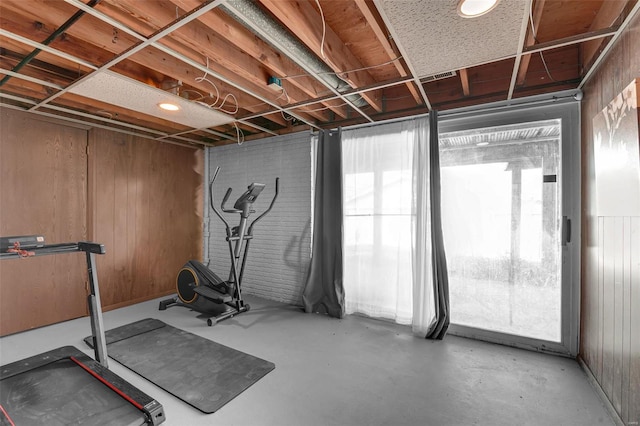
508	198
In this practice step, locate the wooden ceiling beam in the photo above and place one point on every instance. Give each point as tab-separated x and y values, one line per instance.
376	24
607	16
178	70
464	80
572	40
93	41
235	33
201	36
26	89
54	70
14	22
77	38
197	41
240	69
302	19
32	90
242	58
529	41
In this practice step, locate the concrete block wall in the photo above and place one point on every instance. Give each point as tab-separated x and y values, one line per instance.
280	252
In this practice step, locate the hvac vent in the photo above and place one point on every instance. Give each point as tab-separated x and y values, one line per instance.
438	76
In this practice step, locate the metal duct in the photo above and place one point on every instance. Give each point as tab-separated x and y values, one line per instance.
251	16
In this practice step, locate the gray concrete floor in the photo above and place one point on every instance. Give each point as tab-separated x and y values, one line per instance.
355	371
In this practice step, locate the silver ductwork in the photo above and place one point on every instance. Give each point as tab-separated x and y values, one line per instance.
264	26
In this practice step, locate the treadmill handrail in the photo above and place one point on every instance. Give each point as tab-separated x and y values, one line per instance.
93	300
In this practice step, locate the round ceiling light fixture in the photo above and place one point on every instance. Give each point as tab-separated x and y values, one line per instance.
475	8
168	106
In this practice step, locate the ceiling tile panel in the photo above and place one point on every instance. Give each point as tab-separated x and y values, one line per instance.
436	39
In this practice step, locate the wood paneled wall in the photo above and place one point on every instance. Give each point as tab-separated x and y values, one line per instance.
42	191
145	200
610	328
142	199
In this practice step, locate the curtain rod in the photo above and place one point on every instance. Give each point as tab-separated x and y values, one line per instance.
566	96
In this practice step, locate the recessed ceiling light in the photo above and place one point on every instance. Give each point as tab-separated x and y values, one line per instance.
116	89
482	144
475	8
167	106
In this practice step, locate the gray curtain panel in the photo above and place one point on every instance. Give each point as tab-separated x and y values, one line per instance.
439	261
324	292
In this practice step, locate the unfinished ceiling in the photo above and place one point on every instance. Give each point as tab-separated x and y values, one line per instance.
245	69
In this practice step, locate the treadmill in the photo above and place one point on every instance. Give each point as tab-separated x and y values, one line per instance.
64	386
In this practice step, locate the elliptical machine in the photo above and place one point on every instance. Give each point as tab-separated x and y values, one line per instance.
200	288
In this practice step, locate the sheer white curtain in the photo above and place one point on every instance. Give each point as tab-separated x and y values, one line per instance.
387	243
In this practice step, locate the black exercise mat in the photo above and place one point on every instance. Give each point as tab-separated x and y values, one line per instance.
203	373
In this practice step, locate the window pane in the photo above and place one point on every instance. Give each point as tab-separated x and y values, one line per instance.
358	196
501	228
377	222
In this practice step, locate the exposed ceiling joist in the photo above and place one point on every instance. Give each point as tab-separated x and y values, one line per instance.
607	16
531	40
309	26
183	20
362	70
632	14
464	80
523	34
567	41
375	22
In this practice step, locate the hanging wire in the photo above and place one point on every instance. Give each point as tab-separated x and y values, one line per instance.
533	31
224	100
286	117
285	94
214	105
200	95
239	134
324	30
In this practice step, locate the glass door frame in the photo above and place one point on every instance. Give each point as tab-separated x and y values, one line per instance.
570	178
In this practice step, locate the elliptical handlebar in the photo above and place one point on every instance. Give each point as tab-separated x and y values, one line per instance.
215	175
270	206
224	201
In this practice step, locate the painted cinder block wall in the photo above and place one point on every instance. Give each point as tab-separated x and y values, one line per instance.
279	254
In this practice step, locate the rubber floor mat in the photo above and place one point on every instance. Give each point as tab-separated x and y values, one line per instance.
202	373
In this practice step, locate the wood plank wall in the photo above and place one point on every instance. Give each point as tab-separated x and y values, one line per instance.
145	200
610	328
42	191
142	199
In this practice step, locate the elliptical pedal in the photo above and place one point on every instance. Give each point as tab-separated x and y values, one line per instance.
213	295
